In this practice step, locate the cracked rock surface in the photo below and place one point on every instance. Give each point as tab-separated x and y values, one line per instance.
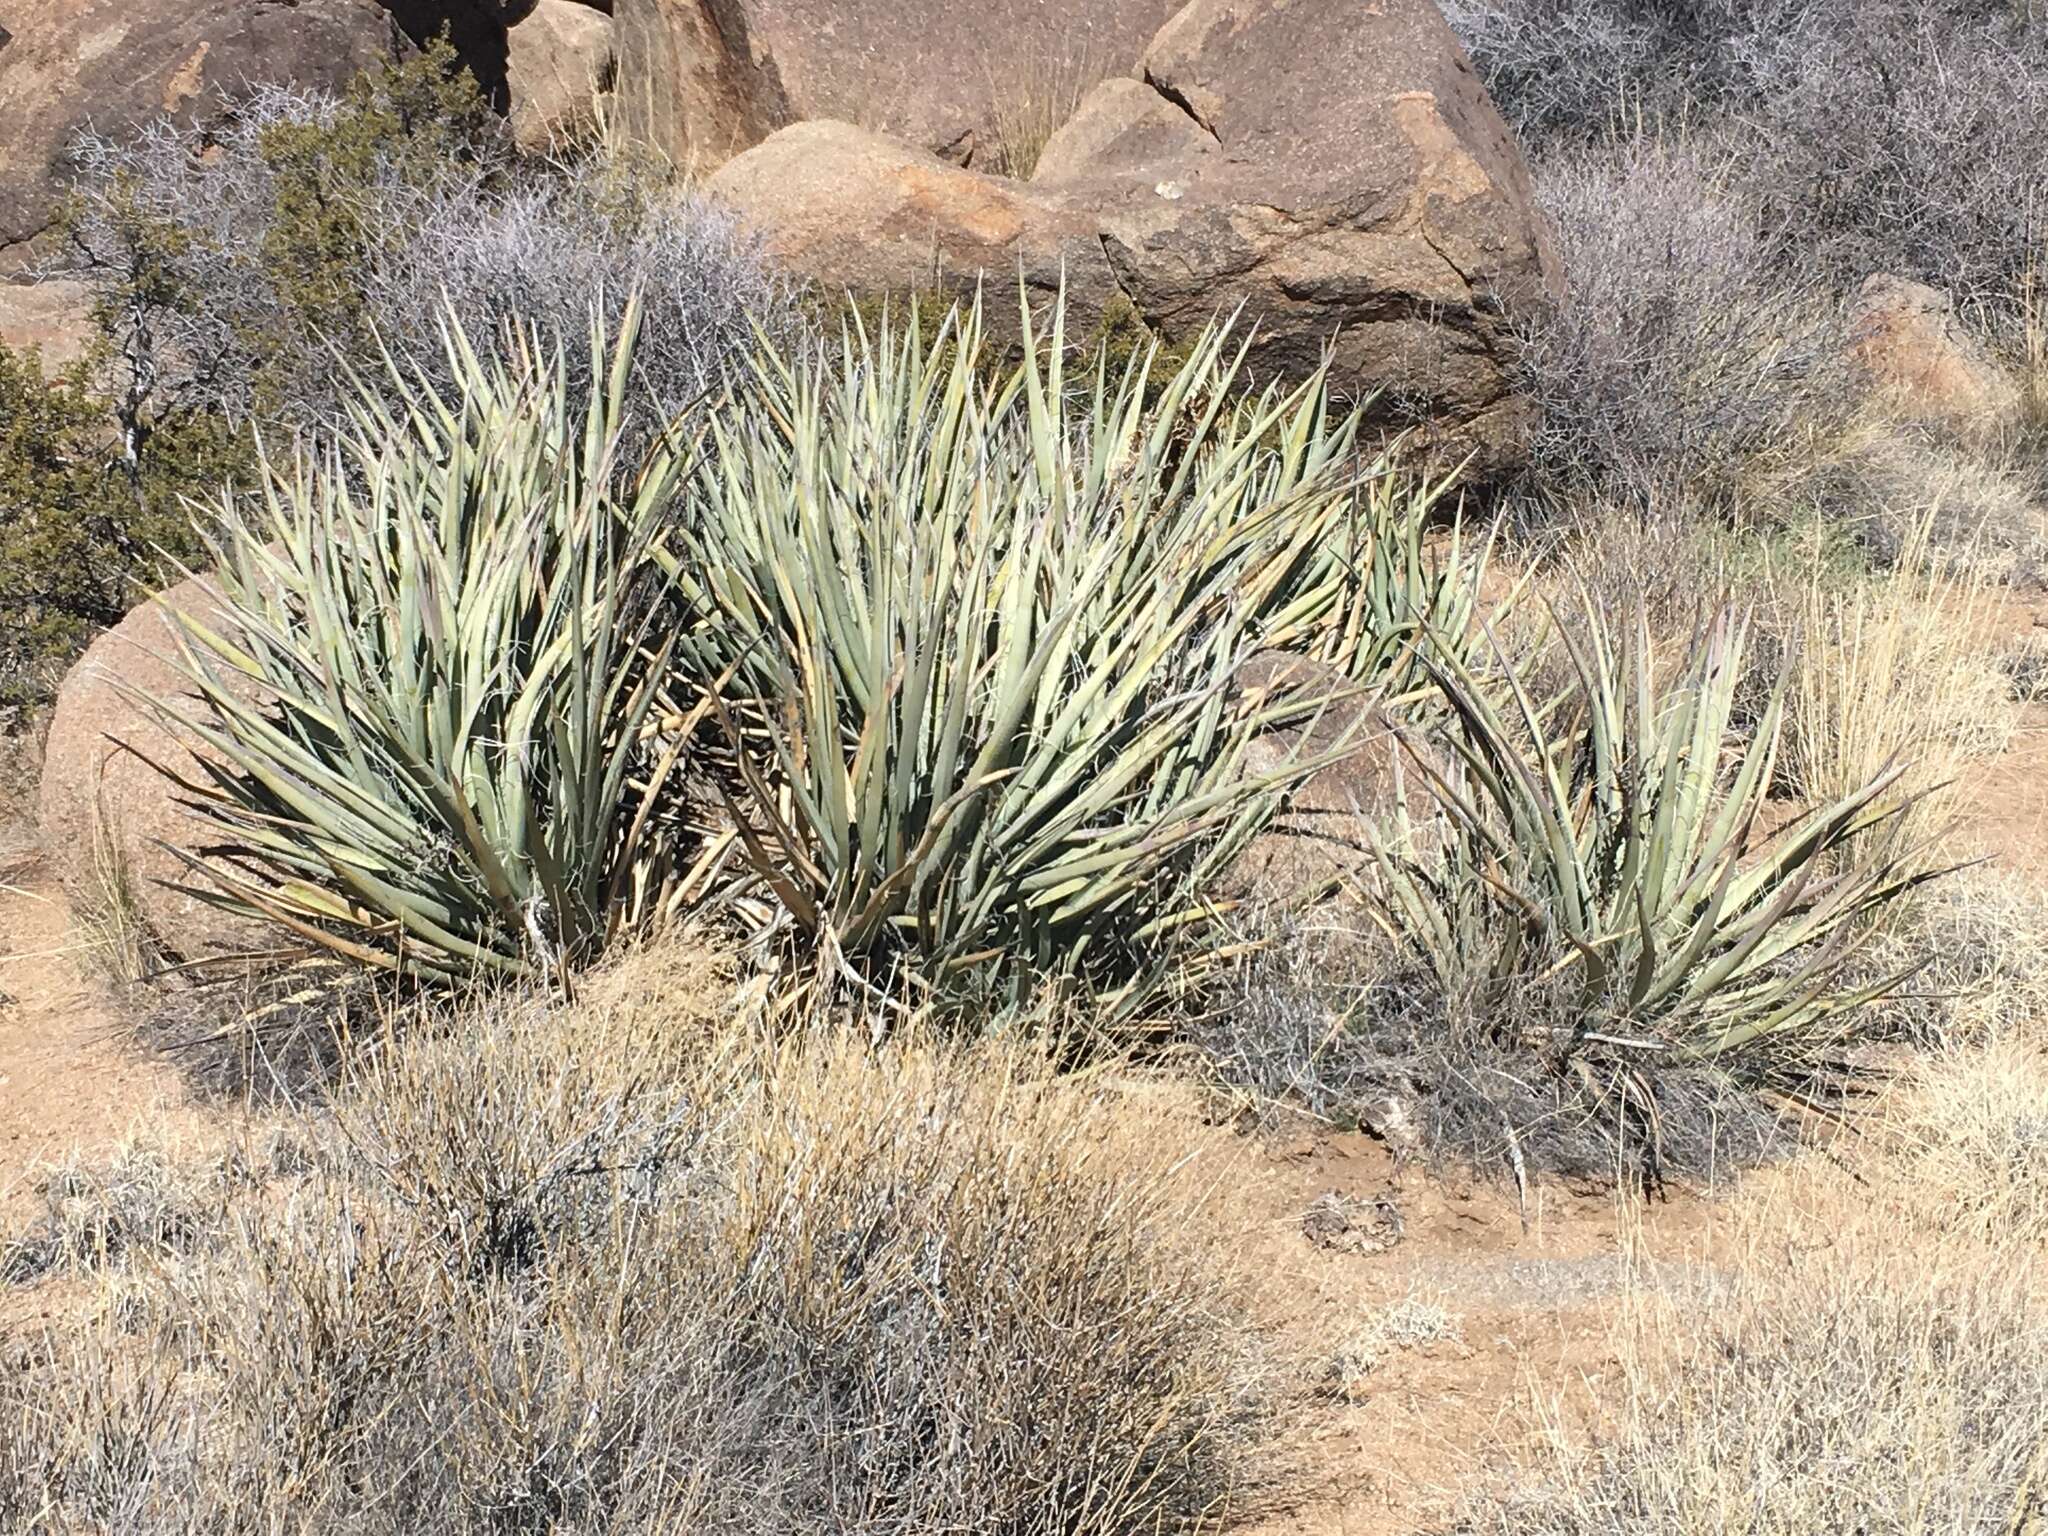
1333	166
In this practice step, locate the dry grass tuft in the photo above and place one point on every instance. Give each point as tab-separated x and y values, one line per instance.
1827	1389
1967	1141
1416	1321
112	933
605	1268
1981	942
1031	105
137	1205
1901	670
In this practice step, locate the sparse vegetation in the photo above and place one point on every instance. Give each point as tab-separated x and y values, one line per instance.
1414	1322
776	819
623	1267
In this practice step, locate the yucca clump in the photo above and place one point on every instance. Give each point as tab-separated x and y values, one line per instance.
979	637
1603	881
432	707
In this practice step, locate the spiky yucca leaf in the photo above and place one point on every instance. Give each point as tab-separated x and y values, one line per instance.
982	635
427	713
1602	862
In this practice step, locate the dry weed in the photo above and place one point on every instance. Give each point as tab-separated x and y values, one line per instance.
1980	942
112	933
1833	1385
1416	1321
603	1267
1965	1142
1031	105
1897	670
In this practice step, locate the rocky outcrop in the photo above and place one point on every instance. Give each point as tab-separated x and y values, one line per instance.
558	61
104	807
54	317
1916	351
65	64
706	79
1335	168
860	213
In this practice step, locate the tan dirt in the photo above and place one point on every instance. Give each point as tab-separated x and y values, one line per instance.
70	1076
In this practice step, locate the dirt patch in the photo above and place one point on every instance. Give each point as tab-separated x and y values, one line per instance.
2007	818
70	1076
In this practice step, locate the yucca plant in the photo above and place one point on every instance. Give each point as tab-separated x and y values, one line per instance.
978	635
1607	873
431	715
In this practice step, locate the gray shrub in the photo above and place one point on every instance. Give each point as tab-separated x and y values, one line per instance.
1908	136
1692	361
171	229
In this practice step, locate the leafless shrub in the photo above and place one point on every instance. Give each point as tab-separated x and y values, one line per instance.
174	229
1906	136
1569	70
1682	370
551	254
613	1267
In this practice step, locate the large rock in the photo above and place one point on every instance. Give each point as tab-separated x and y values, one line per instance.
54	316
858	212
1916	351
1343	175
99	790
705	79
1333	167
558	61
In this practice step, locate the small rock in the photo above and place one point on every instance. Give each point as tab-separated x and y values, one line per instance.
1916	351
1347	1224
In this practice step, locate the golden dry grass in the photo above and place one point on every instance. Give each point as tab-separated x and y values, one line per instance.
1902	670
1830	1385
1031	104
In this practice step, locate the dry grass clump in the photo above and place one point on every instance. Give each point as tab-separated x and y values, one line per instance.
1980	940
1967	1140
1031	105
141	1203
1833	1392
588	1269
113	936
1415	1321
1896	671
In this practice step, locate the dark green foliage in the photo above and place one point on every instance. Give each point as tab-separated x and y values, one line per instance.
86	518
396	133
